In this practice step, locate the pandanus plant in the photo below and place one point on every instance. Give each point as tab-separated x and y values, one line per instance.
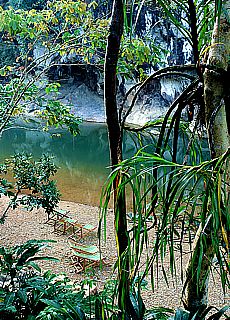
190	194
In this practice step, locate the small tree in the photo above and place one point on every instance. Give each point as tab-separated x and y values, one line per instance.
31	186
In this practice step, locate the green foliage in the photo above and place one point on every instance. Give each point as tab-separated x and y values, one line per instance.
175	193
33	177
14	259
205	15
24	293
17	97
27	294
82	306
57	114
182	206
135	53
185	315
62	27
29	24
18	296
69	28
158	313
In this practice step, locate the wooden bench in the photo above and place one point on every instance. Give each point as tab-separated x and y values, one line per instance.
84	256
56	215
64	223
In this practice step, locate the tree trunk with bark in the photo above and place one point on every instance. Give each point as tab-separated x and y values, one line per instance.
217	108
110	90
115	142
216	86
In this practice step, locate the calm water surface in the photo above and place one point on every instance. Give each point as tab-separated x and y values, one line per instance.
83	160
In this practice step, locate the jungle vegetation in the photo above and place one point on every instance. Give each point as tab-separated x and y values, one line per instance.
176	192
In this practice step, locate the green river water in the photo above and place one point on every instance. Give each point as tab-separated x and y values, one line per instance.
83	160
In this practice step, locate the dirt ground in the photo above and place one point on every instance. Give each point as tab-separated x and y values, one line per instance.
22	225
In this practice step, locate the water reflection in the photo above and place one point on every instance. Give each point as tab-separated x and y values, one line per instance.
83	160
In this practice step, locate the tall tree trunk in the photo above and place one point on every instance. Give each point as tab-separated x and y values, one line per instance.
111	59
115	141
193	26
217	108
216	86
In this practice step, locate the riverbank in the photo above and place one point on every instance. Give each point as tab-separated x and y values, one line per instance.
22	225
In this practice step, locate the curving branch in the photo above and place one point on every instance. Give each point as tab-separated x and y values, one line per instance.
168	71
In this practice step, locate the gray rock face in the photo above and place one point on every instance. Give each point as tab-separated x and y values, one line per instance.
150	104
84	102
151	107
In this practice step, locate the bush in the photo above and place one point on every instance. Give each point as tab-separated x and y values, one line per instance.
26	293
